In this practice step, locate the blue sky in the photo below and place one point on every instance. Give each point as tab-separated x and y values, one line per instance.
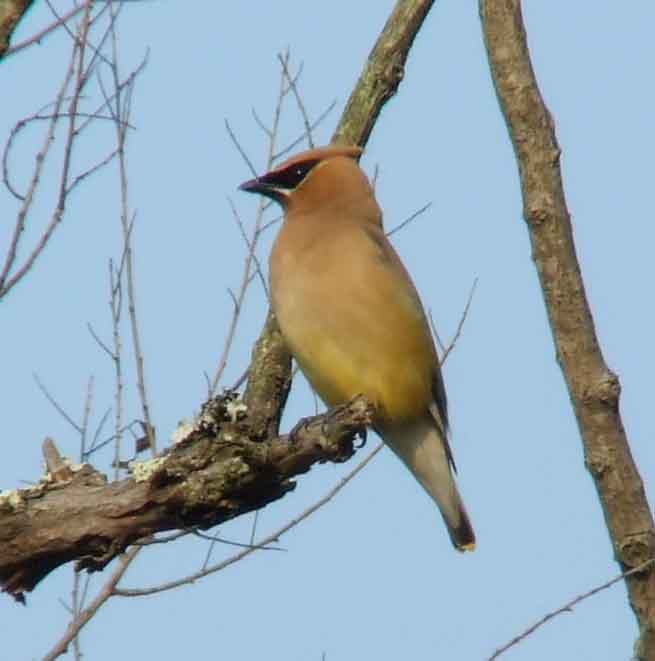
372	575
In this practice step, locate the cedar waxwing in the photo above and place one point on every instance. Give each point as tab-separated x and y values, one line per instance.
352	318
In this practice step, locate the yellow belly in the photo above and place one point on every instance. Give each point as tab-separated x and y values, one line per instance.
367	336
391	377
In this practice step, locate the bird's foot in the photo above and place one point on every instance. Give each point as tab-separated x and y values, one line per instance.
299	427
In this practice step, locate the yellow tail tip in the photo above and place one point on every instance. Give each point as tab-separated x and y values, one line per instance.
467	547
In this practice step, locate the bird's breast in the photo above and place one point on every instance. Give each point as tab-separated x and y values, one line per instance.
352	321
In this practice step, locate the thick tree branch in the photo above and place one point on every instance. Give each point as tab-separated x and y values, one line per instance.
215	472
383	72
593	388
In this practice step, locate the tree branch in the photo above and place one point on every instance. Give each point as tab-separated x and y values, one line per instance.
214	472
593	388
383	72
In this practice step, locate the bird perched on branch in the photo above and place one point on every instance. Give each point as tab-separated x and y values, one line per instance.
352	318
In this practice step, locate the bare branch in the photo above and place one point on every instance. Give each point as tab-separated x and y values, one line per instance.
407	221
260	123
568	607
250	244
383	72
115	306
316	123
251	257
27	199
11	12
99	342
241	150
37	37
121	111
299	101
460	325
269	539
78	69
58	407
85	615
593	389
214	473
228	542
84	427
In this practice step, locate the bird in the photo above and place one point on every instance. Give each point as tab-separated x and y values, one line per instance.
352	318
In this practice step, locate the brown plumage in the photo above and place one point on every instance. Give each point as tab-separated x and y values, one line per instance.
352	318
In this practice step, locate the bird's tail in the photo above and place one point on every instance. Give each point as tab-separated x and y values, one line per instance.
423	450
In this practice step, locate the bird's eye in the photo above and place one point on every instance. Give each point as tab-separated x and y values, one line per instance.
290	177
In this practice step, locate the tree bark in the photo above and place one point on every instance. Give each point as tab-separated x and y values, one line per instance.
214	473
382	73
594	390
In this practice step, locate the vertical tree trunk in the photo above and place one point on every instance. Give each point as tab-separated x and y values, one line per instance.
593	388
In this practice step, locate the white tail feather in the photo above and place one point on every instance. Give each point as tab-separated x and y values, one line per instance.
420	446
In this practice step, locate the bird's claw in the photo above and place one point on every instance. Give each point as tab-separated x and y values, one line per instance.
302	424
363	435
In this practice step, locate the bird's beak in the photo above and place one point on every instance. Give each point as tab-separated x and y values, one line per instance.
258	185
263	187
254	186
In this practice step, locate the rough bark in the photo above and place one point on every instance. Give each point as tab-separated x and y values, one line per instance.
382	73
11	11
594	390
269	380
215	472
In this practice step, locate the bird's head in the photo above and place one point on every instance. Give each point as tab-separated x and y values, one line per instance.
310	176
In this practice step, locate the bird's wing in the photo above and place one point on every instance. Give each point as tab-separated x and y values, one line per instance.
439	405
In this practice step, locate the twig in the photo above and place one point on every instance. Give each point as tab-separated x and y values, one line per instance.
94	443
228	542
59	408
84	427
79	67
407	221
313	126
122	112
92	170
249	244
99	342
251	258
568	607
34	181
273	537
299	101
460	325
86	614
241	150
77	599
38	36
260	123
115	306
